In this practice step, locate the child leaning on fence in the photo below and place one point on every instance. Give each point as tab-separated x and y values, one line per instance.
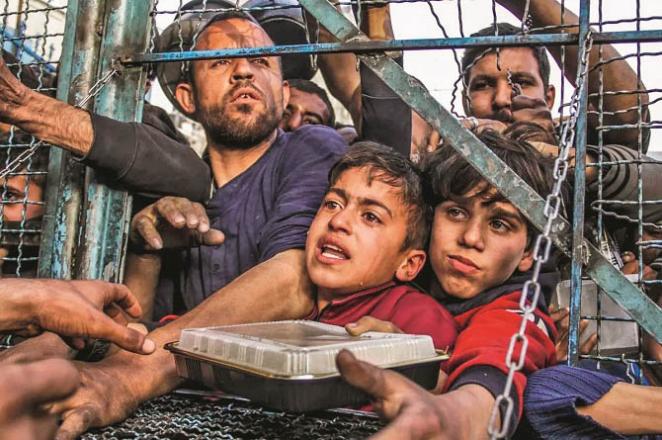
367	242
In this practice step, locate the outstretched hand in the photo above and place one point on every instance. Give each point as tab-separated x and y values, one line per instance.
78	309
173	222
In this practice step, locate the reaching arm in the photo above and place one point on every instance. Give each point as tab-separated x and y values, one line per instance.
617	75
126	153
276	289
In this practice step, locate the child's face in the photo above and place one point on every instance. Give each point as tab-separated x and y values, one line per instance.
477	243
21	195
355	241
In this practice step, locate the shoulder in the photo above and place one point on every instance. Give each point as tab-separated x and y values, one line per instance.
314	140
409	297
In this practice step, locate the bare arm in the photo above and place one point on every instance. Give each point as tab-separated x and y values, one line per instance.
141	276
617	75
276	289
53	121
340	70
628	409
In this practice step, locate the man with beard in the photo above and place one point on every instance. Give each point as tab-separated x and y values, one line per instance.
269	185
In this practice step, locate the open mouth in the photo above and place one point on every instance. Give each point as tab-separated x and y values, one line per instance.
332	252
245	94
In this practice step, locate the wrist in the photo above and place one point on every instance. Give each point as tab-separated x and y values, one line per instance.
19	310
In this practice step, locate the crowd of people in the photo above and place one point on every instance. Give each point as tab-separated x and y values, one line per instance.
378	226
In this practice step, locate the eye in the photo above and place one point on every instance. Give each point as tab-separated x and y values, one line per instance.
331	205
455	212
371	217
260	61
309	120
499	225
221	62
479	85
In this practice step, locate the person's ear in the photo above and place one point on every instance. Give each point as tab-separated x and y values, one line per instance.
286	94
550	96
526	263
433	141
184	96
411	265
466	103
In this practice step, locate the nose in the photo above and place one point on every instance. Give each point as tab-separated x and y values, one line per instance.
502	95
341	222
472	235
294	121
243	69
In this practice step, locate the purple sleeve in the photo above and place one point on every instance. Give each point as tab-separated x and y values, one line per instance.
302	183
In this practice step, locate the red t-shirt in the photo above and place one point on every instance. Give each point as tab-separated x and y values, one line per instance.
406	307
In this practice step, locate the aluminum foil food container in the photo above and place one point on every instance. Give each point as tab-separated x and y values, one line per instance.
290	365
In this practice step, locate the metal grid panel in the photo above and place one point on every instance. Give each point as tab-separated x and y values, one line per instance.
177	417
31	38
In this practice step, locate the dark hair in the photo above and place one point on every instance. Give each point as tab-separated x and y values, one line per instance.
473	54
391	168
307	86
449	175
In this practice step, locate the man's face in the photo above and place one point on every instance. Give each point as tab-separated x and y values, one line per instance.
489	91
477	243
21	195
238	101
355	241
303	109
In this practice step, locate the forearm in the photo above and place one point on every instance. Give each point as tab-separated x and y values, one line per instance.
467	409
141	276
628	409
52	121
276	289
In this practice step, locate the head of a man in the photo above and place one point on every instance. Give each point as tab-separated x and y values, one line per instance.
23	190
489	85
238	101
308	104
479	239
372	226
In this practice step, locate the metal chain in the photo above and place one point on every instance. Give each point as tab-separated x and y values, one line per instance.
532	289
16	164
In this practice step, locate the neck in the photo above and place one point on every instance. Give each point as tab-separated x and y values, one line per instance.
324	297
227	163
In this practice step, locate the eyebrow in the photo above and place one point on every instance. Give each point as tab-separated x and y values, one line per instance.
501	212
363	201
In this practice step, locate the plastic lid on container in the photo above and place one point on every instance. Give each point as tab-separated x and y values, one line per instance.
300	348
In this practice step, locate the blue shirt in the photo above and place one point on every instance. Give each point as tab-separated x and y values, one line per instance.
264	211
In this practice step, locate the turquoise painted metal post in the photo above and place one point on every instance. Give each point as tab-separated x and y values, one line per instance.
627	295
78	67
579	248
107	211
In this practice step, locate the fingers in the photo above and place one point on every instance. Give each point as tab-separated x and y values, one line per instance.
180	213
37	383
521	102
370	324
559	315
364	376
588	345
104	327
76	422
213	237
143	227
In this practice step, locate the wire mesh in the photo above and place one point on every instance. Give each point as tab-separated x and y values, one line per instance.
31	39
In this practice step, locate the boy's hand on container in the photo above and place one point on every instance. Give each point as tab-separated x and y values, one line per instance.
370	324
561	317
173	222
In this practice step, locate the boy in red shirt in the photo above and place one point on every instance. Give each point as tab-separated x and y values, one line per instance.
480	251
367	242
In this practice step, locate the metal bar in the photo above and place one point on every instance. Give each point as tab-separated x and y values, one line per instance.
578	245
628	296
65	180
107	211
366	46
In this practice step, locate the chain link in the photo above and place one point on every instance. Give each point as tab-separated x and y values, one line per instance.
532	289
18	162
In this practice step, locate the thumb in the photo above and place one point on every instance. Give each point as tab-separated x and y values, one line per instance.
125	337
362	375
212	237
